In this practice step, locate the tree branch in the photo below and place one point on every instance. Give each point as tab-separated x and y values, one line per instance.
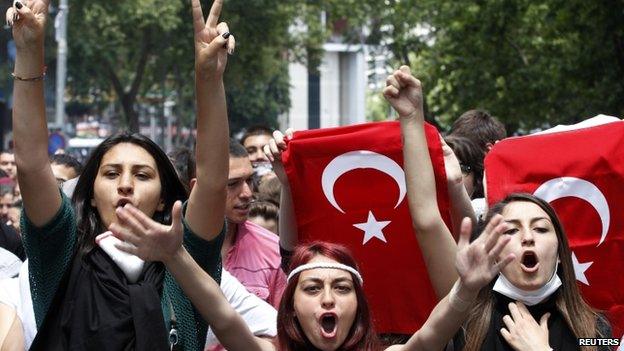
523	57
119	89
140	69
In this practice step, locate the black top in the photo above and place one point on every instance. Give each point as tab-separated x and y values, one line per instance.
560	336
11	241
96	308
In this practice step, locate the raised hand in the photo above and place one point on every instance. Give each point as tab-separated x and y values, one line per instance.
274	150
404	93
478	263
523	332
213	41
451	164
28	19
151	241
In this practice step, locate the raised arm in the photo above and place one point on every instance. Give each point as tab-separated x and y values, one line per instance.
460	206
206	205
156	242
288	235
404	92
40	192
477	264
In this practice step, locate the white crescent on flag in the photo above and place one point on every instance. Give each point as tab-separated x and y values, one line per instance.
358	160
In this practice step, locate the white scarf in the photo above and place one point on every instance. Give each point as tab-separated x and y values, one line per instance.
529	298
131	265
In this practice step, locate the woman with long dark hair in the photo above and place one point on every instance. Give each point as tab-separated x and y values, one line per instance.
86	296
538	285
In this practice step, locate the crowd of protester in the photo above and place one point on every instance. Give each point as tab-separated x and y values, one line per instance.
199	250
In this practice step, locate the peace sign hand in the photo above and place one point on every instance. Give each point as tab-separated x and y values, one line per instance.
213	41
28	19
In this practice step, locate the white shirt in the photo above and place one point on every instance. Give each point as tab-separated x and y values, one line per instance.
15	292
260	317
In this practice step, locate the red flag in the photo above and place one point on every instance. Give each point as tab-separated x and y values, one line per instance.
581	173
348	187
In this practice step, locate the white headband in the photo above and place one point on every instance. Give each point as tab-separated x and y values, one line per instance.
341	266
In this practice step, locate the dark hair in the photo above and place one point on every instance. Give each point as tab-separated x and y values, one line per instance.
68	161
264	207
479	126
270	188
291	337
87	217
256	130
3	174
184	162
7	151
579	316
469	154
237	150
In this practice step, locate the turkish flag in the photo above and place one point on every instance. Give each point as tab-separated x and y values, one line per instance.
348	187
581	173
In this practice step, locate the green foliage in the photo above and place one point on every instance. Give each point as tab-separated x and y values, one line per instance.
141	52
529	63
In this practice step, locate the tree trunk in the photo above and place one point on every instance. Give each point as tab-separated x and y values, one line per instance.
132	117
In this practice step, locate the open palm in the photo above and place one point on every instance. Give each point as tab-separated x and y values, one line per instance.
478	263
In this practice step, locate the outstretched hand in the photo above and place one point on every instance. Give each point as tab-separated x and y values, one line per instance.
213	41
477	263
274	150
28	19
522	332
151	241
404	93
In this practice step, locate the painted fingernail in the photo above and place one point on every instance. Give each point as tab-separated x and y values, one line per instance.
18	4
231	52
225	35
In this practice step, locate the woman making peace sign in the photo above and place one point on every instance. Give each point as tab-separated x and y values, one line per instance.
81	298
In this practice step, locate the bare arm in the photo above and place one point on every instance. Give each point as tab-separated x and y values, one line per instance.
40	192
460	206
477	264
404	93
289	237
206	295
156	242
206	205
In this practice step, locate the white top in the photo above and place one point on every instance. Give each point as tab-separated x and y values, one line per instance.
15	292
260	317
9	264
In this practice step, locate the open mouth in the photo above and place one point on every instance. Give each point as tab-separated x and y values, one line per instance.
328	325
529	262
123	202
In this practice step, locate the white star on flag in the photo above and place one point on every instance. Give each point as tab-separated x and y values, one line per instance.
372	228
580	268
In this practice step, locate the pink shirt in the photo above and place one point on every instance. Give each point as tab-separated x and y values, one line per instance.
254	259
